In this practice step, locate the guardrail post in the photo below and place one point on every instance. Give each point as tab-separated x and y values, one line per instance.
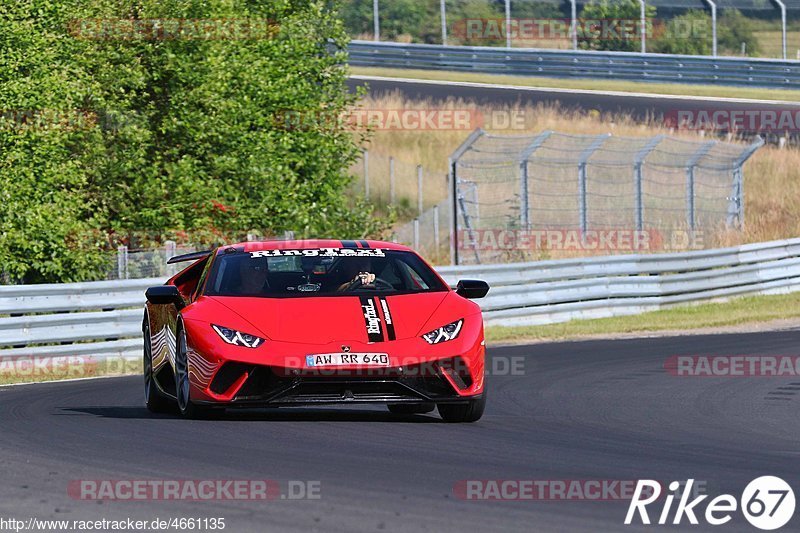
170	250
122	262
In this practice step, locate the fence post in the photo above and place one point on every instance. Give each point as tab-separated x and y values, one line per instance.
443	10
573	24
736	202
170	250
508	23
691	217
366	174
436	228
376	21
782	6
122	262
524	198
416	234
584	159
713	6
391	181
420	197
643	23
637	165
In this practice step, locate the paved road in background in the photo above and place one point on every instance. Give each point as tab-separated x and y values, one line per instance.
604	410
639	106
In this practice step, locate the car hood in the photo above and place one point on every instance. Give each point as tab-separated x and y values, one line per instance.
323	320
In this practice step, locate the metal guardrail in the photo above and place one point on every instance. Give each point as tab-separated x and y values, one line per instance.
666	68
104	318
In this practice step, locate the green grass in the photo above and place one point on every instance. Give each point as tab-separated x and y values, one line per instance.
738	311
588	84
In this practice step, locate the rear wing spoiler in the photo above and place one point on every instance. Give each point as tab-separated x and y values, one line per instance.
194	256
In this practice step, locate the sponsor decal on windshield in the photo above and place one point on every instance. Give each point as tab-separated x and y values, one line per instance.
321	252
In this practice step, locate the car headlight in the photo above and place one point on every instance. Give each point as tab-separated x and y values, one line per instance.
237	338
444	333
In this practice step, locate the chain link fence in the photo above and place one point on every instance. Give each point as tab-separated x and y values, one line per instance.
579	185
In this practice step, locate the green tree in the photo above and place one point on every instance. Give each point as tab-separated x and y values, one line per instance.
687	34
735	29
183	136
618	25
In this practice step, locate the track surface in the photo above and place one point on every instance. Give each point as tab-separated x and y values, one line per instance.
638	106
583	410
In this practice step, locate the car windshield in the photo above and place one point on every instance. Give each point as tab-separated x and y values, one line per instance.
320	272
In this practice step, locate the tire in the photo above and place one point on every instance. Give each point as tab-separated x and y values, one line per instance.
411	408
471	411
186	407
154	400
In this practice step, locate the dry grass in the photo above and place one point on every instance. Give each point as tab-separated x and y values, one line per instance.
772	176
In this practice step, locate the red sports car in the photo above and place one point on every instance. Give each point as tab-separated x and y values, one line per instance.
280	323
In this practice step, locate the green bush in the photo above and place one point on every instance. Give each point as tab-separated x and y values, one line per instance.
688	34
167	136
733	29
615	10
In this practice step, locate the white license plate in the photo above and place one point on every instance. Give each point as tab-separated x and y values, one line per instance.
345	359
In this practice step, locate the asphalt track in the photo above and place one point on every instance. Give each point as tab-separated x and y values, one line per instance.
638	106
604	410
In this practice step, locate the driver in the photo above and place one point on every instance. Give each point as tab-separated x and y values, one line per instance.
358	271
252	277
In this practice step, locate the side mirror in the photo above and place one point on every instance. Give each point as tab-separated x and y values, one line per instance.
472	288
165	295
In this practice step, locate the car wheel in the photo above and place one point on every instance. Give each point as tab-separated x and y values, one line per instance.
471	411
411	408
186	408
155	401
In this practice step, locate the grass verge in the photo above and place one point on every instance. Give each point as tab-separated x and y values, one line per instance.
677	89
742	311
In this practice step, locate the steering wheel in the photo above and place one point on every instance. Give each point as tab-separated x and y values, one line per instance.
378	284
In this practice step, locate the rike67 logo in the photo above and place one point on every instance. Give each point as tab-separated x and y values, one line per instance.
767	503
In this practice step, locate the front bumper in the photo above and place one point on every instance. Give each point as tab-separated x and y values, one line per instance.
246	385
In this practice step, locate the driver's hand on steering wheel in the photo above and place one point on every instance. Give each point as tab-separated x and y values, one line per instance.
366	278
